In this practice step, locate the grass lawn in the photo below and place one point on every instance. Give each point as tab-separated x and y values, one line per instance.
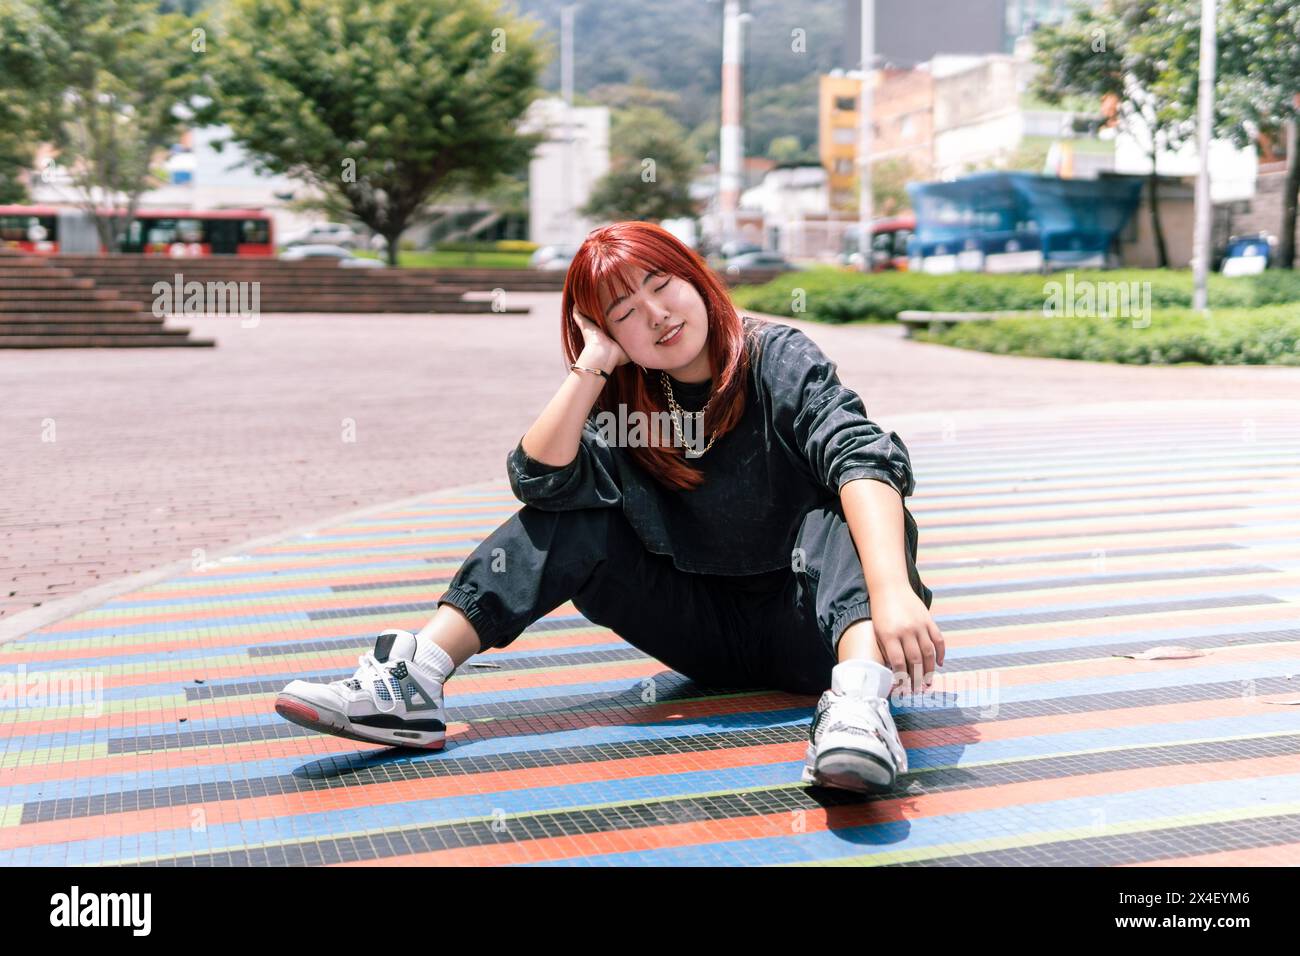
456	260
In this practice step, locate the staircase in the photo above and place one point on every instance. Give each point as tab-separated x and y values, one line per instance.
44	306
310	285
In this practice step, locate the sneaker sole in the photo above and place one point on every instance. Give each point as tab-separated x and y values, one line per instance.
853	770
327	721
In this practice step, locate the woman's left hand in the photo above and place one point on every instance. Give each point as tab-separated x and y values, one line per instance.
910	641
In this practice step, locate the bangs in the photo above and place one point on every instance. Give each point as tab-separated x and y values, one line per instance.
610	277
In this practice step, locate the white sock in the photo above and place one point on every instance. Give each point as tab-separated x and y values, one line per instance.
432	658
862	676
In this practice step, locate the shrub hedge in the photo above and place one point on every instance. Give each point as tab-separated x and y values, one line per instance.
838	295
1263	336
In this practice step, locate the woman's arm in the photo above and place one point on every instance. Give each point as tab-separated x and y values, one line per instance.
553	439
908	637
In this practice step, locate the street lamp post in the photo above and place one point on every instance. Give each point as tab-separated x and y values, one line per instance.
566	89
1204	129
865	107
731	147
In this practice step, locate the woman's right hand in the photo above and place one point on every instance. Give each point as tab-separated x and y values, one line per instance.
598	348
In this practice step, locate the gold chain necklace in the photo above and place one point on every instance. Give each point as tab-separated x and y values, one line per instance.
676	413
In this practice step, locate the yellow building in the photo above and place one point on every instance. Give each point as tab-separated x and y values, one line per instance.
903	131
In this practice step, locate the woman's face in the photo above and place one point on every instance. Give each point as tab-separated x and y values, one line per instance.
662	324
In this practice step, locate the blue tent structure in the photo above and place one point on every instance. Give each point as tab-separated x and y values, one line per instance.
988	214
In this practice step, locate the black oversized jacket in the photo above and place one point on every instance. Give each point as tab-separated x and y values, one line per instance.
802	436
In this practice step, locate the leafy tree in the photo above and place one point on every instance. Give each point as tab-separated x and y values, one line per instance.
785	149
111	80
889	179
381	103
1118	52
30	50
1257	79
650	170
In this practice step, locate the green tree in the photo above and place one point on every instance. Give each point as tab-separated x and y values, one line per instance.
112	78
650	170
1119	51
383	104
788	151
30	50
1257	79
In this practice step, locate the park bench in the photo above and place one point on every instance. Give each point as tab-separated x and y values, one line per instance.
914	319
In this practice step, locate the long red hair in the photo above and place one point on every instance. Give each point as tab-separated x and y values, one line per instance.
605	260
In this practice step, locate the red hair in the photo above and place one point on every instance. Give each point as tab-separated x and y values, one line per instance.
604	261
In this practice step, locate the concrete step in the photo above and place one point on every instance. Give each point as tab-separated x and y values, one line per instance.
73	318
60	294
27	329
125	315
68	305
43	281
100	341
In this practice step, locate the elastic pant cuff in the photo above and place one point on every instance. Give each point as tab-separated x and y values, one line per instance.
478	618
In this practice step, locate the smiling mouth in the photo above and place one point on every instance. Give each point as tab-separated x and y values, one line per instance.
671	335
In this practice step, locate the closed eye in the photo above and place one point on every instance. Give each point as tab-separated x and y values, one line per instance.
658	288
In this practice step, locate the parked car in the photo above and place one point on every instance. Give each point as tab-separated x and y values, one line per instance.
1247	255
737	247
325	251
332	233
550	258
759	262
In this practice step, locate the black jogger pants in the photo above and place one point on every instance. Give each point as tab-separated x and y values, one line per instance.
710	628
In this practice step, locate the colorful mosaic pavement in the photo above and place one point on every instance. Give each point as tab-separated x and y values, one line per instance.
1053	546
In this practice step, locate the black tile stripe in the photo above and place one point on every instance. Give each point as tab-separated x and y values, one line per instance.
970	485
1093	580
665	679
928	542
1136	847
942	524
768	801
1107	496
1014	559
341	645
330	614
441	582
1109	610
1092	652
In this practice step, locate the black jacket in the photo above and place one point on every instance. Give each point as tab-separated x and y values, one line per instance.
802	436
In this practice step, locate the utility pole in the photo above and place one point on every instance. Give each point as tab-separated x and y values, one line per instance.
566	89
731	148
865	109
1202	237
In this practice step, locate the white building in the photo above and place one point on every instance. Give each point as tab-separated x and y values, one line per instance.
797	220
1232	170
564	168
202	179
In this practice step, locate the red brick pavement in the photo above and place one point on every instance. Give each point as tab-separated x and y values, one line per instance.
159	452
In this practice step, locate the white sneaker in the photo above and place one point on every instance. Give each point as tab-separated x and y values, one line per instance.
389	700
853	743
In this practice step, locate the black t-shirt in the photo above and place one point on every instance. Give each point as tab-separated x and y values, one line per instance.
802	436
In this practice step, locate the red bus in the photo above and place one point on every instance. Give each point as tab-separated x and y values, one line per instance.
889	238
153	232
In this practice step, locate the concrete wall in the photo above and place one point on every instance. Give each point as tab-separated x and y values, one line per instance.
562	174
